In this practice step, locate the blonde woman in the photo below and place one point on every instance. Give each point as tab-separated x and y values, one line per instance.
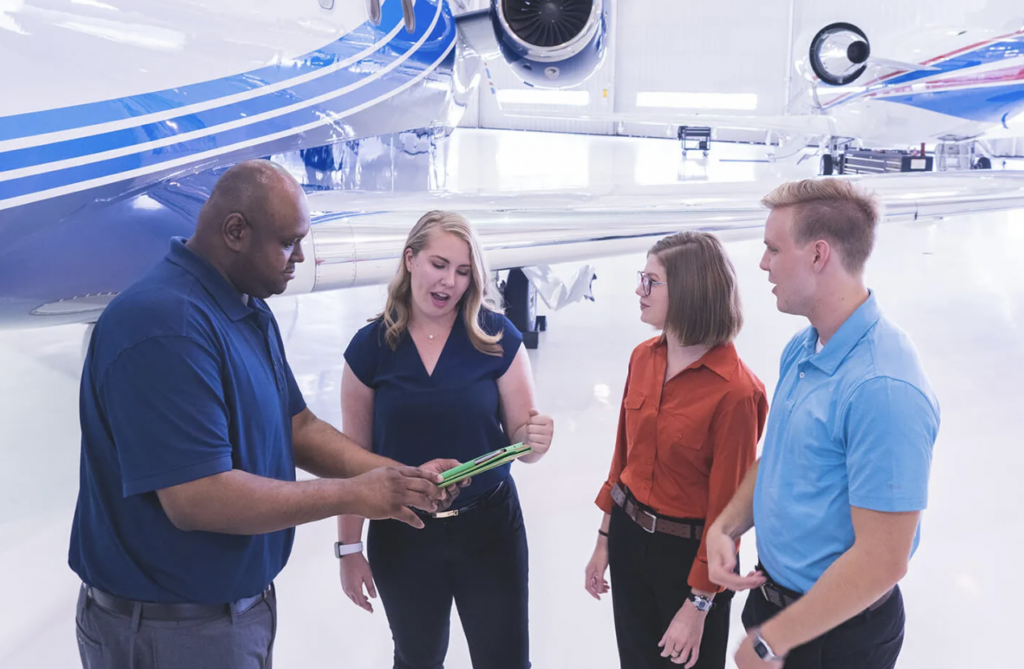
442	371
691	416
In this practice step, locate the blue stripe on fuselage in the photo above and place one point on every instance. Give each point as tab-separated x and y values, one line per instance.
433	48
77	116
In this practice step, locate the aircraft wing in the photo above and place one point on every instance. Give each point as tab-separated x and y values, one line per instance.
810	125
359	241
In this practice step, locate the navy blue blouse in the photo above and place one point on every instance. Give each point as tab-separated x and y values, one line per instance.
453	413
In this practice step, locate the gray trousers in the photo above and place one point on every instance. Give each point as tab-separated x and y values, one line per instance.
108	640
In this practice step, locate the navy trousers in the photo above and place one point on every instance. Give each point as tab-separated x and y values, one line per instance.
479	561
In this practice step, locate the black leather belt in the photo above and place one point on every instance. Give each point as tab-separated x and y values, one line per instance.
159	611
782	597
475	504
652	522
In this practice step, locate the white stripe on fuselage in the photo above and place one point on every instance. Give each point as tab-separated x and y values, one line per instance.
213	153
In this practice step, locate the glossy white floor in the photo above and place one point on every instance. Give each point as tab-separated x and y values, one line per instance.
957	286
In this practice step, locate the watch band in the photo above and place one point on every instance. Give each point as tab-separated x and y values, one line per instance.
341	550
763	650
701	603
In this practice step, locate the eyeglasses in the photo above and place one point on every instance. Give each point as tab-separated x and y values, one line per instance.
644	280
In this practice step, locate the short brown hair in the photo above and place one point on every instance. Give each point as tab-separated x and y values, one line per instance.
833	210
703	300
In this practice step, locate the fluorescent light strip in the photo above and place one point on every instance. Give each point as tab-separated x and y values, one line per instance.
542	97
741	101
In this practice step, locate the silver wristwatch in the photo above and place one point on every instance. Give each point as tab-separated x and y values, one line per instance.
701	603
763	650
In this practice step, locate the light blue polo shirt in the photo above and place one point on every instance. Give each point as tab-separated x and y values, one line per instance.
851	425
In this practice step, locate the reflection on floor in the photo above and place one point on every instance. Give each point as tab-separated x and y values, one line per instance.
957	287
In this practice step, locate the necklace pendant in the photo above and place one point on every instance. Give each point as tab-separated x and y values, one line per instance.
430	336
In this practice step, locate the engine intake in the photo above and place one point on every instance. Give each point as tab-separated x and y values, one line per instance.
547	23
551	43
839	53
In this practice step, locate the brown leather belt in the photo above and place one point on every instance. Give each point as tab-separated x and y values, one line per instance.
782	597
652	522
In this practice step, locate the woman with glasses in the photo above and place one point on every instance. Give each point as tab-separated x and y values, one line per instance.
691	416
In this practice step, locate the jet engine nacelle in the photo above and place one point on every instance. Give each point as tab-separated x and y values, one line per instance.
551	43
839	54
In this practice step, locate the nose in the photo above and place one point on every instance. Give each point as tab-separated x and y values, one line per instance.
764	261
639	291
297	254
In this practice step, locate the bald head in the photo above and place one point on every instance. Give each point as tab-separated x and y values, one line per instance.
252	226
255	189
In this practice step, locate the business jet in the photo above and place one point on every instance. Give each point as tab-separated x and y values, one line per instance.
119	115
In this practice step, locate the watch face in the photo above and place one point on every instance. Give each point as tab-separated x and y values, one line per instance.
702	604
761	651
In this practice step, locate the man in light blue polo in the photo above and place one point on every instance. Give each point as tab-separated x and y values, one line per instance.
838	492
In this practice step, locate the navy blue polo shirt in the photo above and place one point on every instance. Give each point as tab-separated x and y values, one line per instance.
183	380
453	413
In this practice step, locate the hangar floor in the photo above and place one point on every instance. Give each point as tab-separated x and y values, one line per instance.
956	285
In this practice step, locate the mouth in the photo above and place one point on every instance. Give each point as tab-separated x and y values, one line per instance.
290	273
440	300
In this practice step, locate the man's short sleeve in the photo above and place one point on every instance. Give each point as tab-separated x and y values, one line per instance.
296	402
890	428
168	419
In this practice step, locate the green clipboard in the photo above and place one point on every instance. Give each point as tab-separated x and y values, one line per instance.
483	464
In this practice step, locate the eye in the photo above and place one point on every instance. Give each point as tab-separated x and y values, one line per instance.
438	266
463	272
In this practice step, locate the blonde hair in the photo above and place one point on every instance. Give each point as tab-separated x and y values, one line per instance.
833	210
477	296
703	300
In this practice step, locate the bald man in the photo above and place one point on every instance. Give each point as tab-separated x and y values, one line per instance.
192	427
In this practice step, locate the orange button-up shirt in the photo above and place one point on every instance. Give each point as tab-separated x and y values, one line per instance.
684	446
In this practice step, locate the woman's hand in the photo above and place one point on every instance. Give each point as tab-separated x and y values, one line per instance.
355	573
596	584
537	434
681	641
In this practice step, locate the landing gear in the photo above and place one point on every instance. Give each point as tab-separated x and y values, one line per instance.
982	163
828	165
521	307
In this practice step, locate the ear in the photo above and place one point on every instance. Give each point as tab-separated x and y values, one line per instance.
408	260
822	254
235	229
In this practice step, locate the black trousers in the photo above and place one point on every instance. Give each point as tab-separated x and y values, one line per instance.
479	560
649	574
870	640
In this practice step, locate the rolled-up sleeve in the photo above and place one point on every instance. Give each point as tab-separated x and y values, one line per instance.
604	498
735	433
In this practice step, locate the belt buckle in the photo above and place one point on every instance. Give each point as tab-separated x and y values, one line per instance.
774	601
654	521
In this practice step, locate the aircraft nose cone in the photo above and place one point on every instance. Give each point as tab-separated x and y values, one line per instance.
858	52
